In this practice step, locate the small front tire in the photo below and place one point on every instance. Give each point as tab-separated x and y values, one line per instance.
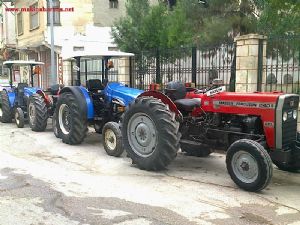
19	118
249	165
112	139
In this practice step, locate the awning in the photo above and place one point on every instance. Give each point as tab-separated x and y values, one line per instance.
95	54
22	63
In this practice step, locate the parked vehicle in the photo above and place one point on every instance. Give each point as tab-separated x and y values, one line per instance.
100	104
253	128
22	102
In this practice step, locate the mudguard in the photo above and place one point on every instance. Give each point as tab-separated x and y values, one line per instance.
121	93
165	99
11	95
84	100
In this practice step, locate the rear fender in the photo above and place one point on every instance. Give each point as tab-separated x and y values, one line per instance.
84	100
166	100
45	97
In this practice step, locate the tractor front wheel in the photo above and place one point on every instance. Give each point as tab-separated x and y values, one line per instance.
71	124
249	165
6	109
19	118
150	133
112	139
37	113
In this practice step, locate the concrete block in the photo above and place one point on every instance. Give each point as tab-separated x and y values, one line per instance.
251	42
240	42
242	50
252	77
253	50
240	88
241	76
251	87
249	63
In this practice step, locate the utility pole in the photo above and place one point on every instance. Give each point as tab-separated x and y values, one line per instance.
53	70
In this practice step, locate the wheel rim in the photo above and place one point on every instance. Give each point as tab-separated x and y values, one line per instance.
142	134
110	139
17	118
31	113
64	119
245	166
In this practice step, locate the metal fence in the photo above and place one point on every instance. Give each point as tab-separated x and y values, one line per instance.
281	66
190	65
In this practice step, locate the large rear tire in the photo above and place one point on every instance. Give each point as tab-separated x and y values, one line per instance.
71	123
6	109
249	165
112	139
150	133
37	113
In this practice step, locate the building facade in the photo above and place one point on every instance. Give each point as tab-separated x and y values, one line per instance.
81	26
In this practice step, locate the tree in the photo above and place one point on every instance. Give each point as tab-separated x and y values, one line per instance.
279	18
148	27
220	21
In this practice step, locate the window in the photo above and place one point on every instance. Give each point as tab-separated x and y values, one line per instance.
113	4
20	23
34	17
56	12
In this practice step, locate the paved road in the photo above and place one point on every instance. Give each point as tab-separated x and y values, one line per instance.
45	182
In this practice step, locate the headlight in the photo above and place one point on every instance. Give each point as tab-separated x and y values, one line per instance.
285	116
295	114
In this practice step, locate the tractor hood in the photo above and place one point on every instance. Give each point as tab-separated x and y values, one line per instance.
121	92
28	91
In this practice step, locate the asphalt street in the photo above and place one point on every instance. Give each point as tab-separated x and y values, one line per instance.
46	182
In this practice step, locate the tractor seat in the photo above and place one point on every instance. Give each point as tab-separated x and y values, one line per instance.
94	85
188	104
55	88
21	87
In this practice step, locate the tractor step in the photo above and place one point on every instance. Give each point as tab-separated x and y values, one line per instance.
195	143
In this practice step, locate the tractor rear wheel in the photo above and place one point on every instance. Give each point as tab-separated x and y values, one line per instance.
37	113
71	123
19	118
112	139
150	133
6	109
249	165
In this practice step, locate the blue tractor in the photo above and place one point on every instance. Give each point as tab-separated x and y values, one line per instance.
100	104
20	102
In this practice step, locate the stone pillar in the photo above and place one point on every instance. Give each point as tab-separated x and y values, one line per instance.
247	62
123	70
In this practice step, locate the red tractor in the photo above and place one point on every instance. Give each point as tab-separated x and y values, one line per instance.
253	128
